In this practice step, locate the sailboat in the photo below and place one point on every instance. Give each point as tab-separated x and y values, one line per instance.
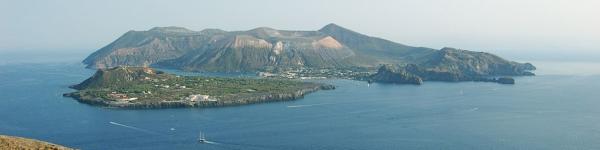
201	138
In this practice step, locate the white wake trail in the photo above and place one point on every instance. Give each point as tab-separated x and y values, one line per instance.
211	142
134	128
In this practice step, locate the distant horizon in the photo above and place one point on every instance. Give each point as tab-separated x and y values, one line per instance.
549	55
513	27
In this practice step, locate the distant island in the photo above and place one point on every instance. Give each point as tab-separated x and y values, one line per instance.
12	142
144	87
330	52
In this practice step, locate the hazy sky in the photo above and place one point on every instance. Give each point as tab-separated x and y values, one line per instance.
482	25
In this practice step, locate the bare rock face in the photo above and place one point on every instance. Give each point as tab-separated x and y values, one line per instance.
247	51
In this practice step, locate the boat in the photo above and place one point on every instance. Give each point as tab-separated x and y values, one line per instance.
201	138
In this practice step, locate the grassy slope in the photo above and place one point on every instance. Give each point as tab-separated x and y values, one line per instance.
11	142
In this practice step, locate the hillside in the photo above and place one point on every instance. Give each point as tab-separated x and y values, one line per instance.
12	142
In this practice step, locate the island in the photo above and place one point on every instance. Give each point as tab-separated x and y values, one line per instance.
144	87
13	142
330	52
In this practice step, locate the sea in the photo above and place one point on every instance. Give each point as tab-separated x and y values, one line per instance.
559	109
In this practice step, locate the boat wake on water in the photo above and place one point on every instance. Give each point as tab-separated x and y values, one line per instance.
228	145
201	139
135	128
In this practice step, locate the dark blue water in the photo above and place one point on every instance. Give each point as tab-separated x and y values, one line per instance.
555	110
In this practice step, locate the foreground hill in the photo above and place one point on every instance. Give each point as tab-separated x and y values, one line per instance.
142	87
265	48
12	142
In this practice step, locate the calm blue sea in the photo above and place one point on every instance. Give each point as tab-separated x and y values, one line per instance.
558	109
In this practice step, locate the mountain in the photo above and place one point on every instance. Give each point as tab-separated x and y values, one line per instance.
332	46
254	49
142	48
376	47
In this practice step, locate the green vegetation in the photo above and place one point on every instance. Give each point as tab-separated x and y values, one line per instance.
123	86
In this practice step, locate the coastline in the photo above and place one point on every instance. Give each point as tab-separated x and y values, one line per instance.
232	100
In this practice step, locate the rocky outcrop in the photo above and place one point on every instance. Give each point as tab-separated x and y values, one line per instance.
389	74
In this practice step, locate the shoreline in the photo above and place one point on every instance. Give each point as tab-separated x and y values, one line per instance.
234	100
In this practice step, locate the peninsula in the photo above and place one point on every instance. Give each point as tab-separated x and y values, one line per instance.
144	87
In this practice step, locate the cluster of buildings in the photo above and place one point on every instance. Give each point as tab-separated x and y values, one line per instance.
310	73
121	97
200	98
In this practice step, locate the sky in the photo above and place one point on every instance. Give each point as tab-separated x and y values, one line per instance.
553	28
